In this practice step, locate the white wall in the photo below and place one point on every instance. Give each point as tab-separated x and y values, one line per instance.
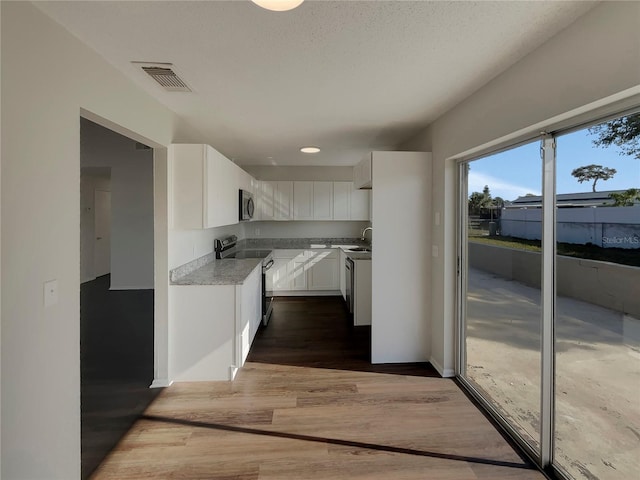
41	227
187	245
304	229
312	174
400	276
131	202
596	57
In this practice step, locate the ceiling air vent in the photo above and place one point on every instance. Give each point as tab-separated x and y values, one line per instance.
166	77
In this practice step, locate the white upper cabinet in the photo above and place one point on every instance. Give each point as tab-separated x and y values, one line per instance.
283	201
363	173
342	200
313	200
275	200
266	200
323	200
204	187
303	200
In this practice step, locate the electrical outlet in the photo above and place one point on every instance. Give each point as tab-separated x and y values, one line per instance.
50	293
257	232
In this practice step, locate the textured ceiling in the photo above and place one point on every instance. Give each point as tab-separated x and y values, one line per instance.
348	76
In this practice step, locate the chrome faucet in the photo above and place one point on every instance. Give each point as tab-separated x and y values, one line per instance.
364	232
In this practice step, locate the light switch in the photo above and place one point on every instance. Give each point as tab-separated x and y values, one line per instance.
434	250
50	293
437	218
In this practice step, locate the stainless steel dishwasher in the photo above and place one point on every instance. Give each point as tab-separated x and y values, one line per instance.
349	266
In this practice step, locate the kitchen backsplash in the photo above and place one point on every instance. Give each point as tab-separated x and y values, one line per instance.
304	229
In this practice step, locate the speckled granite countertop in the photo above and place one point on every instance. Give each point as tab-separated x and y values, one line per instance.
220	272
207	270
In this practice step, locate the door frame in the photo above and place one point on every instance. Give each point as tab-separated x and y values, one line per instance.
160	248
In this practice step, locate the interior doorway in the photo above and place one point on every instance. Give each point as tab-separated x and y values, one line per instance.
102	245
117	294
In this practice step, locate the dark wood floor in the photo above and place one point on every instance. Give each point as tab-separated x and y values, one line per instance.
116	365
317	332
307	406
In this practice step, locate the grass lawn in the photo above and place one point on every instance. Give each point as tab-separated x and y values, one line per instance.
615	255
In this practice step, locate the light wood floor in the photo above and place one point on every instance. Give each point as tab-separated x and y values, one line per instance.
278	422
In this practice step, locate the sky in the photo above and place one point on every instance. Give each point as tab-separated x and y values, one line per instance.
518	171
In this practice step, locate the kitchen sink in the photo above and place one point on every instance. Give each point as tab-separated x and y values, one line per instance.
360	249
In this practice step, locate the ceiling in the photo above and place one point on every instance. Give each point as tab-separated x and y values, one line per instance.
347	76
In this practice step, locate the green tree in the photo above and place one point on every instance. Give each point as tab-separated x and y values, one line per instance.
626	198
623	132
498	202
478	201
593	172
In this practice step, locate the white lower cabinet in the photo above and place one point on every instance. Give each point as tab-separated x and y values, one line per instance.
323	269
211	328
309	271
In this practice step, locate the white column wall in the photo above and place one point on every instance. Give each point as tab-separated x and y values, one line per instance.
595	57
40	227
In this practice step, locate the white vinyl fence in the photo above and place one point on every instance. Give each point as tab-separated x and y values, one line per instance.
606	227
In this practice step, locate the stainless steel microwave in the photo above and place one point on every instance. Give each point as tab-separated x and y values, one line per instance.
247	206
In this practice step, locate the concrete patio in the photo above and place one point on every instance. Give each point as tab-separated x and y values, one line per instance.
597	373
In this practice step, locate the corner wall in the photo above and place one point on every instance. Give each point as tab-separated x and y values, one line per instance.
596	57
41	227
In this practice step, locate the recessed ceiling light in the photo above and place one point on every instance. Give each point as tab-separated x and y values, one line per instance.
278	5
309	149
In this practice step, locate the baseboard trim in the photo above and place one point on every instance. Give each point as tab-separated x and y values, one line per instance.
444	372
131	287
160	383
233	371
307	293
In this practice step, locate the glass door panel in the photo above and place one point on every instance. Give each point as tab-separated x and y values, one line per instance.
597	362
502	284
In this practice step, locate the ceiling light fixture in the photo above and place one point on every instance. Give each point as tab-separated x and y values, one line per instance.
278	5
309	149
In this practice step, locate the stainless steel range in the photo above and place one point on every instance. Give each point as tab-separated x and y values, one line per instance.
226	247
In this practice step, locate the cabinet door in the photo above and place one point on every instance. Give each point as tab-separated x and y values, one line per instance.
188	178
248	313
360	204
297	272
303	196
342	200
283	201
323	200
267	200
222	189
323	270
278	276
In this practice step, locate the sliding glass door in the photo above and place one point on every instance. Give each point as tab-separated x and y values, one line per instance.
549	337
503	278
597	362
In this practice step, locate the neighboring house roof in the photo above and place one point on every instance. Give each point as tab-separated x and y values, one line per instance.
583	199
